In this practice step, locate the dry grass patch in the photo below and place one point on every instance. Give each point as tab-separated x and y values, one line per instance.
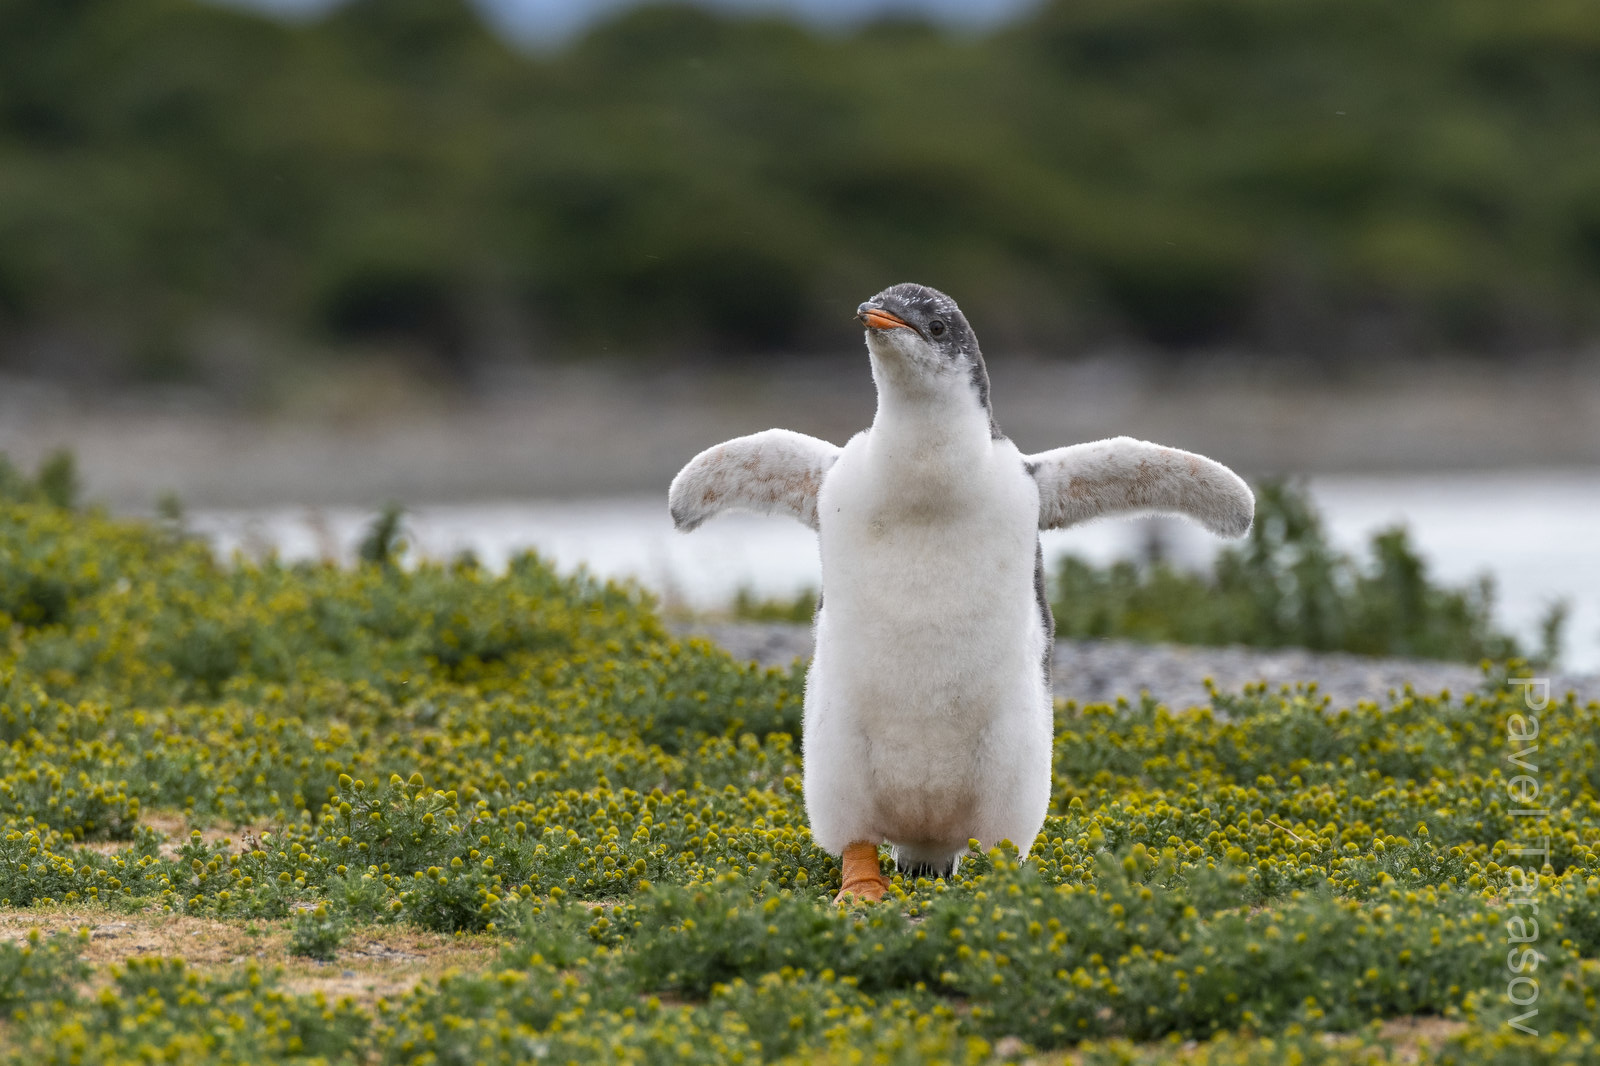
373	962
1410	1035
383	962
175	826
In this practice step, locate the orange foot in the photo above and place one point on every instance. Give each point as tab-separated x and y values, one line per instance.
862	878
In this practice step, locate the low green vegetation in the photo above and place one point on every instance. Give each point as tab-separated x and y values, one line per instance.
1289	587
532	761
749	607
317	933
192	192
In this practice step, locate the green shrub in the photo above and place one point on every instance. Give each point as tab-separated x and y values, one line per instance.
162	1003
747	606
55	483
1288	587
41	970
384	542
317	933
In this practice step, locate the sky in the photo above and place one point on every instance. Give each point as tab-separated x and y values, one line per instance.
553	21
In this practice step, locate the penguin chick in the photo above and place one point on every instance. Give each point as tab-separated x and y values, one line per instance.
928	706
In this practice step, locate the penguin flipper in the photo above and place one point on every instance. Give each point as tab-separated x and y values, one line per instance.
1122	476
775	472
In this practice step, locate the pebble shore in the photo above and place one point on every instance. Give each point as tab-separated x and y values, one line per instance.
1100	671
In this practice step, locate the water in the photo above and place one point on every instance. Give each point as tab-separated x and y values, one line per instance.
1534	532
556	21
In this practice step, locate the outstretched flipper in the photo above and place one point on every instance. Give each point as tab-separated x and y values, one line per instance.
776	472
1122	476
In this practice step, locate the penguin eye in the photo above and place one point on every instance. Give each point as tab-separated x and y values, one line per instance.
936	327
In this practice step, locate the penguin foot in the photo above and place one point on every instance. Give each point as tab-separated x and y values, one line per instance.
932	863
863	881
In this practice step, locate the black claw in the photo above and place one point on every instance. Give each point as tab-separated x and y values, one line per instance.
928	870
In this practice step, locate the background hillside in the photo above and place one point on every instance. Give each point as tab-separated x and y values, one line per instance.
190	191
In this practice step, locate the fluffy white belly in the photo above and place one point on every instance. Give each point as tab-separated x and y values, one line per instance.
908	628
928	680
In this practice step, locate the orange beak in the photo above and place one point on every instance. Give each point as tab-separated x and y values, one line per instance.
879	319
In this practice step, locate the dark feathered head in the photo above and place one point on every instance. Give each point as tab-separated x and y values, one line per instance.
922	330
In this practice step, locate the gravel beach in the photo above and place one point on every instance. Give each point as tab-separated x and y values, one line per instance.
1099	671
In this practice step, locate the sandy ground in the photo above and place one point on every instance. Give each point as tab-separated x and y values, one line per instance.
364	436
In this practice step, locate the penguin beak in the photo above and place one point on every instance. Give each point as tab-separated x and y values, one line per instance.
878	318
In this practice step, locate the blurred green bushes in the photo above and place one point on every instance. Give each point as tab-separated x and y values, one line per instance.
1289	587
1309	176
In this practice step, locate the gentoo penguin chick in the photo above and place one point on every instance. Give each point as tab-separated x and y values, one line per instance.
928	706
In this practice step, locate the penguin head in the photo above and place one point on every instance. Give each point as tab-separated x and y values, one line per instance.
921	342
